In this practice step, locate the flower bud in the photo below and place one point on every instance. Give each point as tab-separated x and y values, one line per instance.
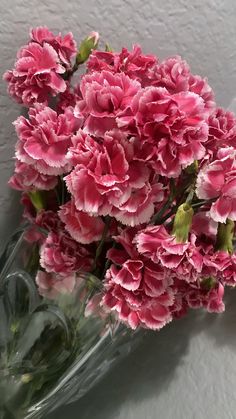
86	47
182	222
37	200
225	234
108	48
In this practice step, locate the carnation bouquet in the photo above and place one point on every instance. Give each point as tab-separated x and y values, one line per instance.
127	173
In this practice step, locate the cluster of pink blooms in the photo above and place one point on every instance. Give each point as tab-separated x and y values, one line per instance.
131	176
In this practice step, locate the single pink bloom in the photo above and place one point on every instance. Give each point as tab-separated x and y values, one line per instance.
51	285
109	180
26	178
133	63
39	67
63	255
105	96
136	288
45	138
81	226
173	74
217	181
157	244
175	125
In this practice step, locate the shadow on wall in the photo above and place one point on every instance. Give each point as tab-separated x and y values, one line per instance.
148	371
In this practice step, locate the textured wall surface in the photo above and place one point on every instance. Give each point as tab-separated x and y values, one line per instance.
189	370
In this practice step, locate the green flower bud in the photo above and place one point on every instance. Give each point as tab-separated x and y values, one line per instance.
108	48
37	199
225	234
182	222
86	47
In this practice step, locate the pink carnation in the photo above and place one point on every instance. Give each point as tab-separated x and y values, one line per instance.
65	47
105	96
39	67
228	274
214	301
49	221
198	295
173	74
80	225
222	266
133	63
26	178
69	98
217	181
200	86
203	225
51	285
137	289
109	181
42	223
63	255
94	308
174	124
222	131
184	259
45	138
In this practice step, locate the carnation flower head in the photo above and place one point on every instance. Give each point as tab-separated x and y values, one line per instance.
108	180
68	98
137	289
174	74
207	293
175	125
105	97
222	132
217	181
62	255
133	63
80	225
65	46
39	67
45	138
27	178
184	260
51	285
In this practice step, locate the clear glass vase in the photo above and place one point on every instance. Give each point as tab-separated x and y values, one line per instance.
51	351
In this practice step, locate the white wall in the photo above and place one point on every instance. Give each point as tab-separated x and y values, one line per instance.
202	31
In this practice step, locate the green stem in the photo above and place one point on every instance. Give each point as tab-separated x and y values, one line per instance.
158	217
190	195
101	244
